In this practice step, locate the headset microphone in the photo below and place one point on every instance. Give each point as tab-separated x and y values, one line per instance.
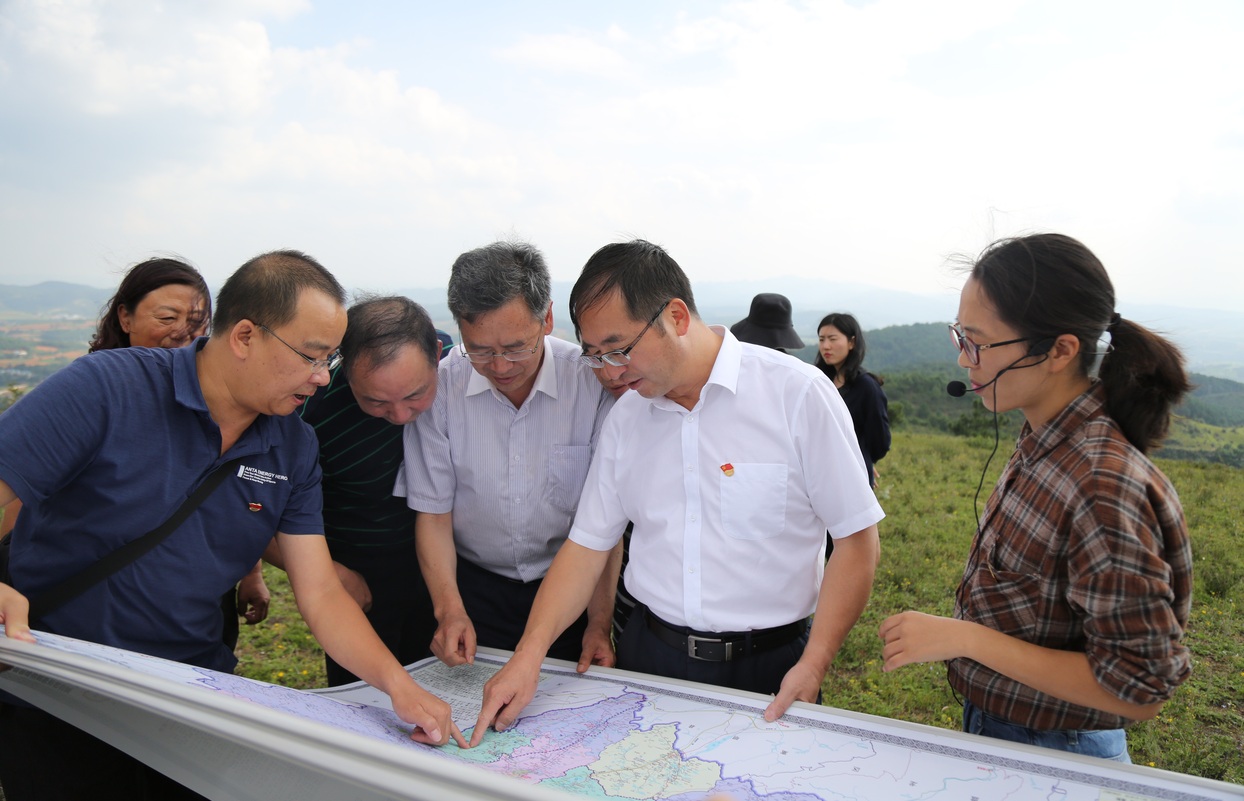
957	389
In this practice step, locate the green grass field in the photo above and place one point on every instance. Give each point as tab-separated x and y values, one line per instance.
926	487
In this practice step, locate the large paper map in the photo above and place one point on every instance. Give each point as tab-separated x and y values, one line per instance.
612	735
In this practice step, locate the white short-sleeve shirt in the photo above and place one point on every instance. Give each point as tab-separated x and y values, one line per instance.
512	477
731	499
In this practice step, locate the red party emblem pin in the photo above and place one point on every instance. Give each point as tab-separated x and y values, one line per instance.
728	469
255	507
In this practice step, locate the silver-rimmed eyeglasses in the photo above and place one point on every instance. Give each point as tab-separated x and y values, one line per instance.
331	363
483	357
972	349
620	358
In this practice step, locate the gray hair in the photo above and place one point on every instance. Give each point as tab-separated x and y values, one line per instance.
487	278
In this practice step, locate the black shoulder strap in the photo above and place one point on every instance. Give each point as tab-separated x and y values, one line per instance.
79	583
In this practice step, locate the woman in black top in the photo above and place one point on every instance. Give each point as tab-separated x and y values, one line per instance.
840	355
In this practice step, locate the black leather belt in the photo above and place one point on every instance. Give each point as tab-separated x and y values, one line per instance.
724	646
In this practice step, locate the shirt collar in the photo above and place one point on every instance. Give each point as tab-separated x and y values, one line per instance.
729	358
188	392
1034	445
546	378
186	388
725	372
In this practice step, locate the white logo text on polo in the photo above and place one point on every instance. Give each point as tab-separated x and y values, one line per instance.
260	476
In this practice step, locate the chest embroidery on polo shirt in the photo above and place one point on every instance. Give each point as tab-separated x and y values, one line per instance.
259	476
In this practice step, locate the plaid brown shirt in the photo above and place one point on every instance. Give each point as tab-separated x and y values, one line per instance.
1082	547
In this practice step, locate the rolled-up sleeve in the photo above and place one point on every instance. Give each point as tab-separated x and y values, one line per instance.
1130	575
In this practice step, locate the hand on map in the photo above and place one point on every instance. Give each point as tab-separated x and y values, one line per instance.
597	649
15	614
801	683
506	694
912	637
454	641
433	719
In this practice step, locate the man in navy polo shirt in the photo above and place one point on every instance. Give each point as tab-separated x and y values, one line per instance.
106	449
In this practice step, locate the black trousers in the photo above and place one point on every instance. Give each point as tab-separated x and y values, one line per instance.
623	602
499	607
229	611
401	609
642	651
42	758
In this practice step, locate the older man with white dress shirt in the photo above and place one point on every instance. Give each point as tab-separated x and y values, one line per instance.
496	466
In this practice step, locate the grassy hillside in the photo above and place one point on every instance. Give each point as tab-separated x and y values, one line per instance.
1192	440
917	361
1217	401
918	402
927	484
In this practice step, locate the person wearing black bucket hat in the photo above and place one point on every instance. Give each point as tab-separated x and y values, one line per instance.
768	323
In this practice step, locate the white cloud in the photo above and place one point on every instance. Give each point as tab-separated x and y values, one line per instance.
568	53
817	138
109	59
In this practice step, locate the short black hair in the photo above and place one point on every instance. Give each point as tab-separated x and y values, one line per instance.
265	290
644	273
379	327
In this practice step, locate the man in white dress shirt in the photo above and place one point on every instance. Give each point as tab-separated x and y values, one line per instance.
496	466
732	460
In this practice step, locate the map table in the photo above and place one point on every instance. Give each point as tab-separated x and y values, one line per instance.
606	734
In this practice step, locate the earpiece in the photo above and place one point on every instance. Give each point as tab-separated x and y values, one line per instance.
1041	346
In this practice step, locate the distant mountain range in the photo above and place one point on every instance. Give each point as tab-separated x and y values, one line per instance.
917	359
1212	339
53	299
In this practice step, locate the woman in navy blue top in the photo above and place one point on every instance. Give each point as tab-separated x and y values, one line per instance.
840	355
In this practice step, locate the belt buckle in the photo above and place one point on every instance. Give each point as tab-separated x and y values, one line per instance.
693	644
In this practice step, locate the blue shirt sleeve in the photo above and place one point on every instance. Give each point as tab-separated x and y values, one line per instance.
54	429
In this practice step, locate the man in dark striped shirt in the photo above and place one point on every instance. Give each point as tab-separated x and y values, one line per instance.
387	379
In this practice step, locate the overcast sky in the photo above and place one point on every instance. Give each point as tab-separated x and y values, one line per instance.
854	141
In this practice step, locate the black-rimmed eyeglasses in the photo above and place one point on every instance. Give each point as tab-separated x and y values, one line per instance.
972	349
620	358
331	363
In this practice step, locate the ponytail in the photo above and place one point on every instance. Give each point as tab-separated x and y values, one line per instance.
1144	378
1048	284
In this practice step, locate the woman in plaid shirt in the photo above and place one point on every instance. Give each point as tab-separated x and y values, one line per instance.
1070	616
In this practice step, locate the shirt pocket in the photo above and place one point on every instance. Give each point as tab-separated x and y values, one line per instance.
753	501
1006	601
567	471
